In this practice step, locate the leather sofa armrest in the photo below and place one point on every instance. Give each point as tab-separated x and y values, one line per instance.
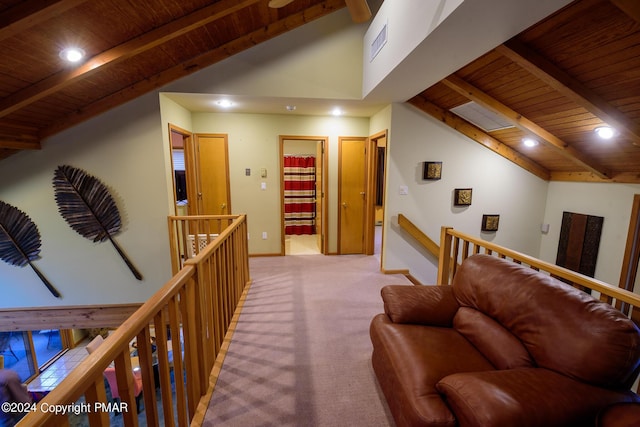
426	305
525	397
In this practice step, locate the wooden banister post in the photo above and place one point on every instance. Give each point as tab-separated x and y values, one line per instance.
444	260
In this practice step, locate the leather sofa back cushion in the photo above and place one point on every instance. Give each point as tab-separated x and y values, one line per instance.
562	328
496	343
426	305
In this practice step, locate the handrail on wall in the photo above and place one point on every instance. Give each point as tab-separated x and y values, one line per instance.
417	234
180	329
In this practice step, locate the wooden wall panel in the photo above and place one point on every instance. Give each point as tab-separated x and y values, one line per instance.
103	316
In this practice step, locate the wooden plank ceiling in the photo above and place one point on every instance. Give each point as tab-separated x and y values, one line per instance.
555	82
132	48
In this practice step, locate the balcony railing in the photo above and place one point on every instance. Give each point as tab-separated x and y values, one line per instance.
178	331
457	246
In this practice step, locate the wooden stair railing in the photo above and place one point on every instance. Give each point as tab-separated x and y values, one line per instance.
188	317
459	246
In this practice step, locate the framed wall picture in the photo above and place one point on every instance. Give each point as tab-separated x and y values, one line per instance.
462	196
431	170
490	222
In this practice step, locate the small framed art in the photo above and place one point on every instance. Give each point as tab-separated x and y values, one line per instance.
462	196
490	222
431	170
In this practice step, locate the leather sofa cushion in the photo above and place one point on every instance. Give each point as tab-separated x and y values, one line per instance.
562	328
410	359
620	415
496	343
525	397
428	305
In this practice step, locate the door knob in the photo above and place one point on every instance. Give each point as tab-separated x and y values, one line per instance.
344	205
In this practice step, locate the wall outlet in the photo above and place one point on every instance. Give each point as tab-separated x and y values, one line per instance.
264	235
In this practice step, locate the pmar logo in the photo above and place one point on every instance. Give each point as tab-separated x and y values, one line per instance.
111	407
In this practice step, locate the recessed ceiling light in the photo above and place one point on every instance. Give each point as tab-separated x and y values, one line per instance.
605	132
290	107
336	112
224	103
72	54
529	142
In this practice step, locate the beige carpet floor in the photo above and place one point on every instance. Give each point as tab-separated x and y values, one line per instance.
301	353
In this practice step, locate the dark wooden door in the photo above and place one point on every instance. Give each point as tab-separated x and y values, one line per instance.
579	242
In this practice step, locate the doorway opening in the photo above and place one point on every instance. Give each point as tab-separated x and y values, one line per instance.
180	140
302	175
376	184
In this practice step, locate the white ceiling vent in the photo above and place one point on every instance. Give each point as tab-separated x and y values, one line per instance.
482	117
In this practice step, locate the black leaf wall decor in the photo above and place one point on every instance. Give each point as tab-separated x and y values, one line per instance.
20	241
88	207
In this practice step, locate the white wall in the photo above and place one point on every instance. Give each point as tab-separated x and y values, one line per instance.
499	187
254	143
124	149
611	201
128	149
439	37
318	60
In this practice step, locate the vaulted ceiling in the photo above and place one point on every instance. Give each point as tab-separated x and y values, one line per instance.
132	47
555	82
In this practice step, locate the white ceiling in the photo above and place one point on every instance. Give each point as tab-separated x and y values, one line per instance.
198	102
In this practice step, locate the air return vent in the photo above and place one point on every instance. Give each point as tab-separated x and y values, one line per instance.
482	117
378	43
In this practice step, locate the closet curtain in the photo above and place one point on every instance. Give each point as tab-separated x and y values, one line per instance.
299	194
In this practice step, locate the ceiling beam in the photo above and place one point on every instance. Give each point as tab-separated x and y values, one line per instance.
478	135
471	92
28	14
194	64
359	10
9	143
16	137
569	87
630	7
120	53
619	177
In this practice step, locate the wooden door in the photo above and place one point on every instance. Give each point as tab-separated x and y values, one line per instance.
213	175
579	242
352	194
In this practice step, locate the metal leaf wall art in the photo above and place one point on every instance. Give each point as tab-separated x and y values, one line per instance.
20	241
88	207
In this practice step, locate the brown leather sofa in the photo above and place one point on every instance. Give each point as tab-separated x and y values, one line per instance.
502	346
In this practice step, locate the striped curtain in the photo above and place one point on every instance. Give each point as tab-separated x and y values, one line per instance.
299	194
